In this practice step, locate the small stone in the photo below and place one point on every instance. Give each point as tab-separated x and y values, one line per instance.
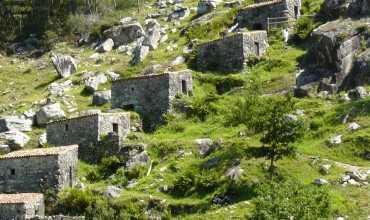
178	61
335	140
353	126
205	146
325	168
101	98
320	182
43	139
112	192
65	65
106	46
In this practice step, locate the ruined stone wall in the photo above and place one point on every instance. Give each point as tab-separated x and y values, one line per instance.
29	174
254	17
147	95
107	120
83	131
181	83
230	54
58	217
68	166
12	211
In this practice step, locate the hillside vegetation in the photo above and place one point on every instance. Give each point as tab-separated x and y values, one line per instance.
235	180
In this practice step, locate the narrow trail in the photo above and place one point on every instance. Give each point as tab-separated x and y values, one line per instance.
349	167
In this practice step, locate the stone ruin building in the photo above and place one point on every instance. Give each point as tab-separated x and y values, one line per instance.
231	54
37	170
88	131
21	206
27	206
338	58
255	16
151	95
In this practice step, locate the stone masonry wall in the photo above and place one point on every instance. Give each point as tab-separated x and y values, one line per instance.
83	131
150	95
37	174
68	166
21	211
254	17
107	120
30	174
230	54
58	217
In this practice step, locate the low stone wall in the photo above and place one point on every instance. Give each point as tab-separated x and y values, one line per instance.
57	217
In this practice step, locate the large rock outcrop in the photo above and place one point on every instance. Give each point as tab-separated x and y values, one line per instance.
333	9
48	113
332	57
124	33
8	123
65	65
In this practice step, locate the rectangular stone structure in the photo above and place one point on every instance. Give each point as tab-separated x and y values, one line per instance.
254	17
87	131
37	170
151	96
22	206
230	54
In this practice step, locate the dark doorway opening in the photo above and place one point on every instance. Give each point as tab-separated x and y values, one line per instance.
70	177
257	46
184	87
129	107
296	12
115	128
66	128
257	26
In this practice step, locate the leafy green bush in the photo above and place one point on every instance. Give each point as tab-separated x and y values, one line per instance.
109	166
202	107
304	27
291	199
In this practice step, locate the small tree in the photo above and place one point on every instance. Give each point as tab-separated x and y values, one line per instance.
280	130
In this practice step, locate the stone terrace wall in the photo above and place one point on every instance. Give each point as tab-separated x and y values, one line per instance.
254	17
58	217
230	54
83	131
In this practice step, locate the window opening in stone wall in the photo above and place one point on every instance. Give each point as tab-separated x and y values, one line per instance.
12	172
257	46
115	128
184	87
66	127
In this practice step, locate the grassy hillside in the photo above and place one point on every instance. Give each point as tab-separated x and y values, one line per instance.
179	186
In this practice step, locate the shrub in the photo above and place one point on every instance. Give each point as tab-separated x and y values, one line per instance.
291	199
202	107
304	27
109	166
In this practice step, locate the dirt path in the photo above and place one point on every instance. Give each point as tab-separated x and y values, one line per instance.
348	167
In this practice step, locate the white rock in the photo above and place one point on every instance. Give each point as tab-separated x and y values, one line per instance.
65	65
139	54
336	140
178	61
15	139
106	46
353	126
320	182
8	123
43	139
48	113
112	192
